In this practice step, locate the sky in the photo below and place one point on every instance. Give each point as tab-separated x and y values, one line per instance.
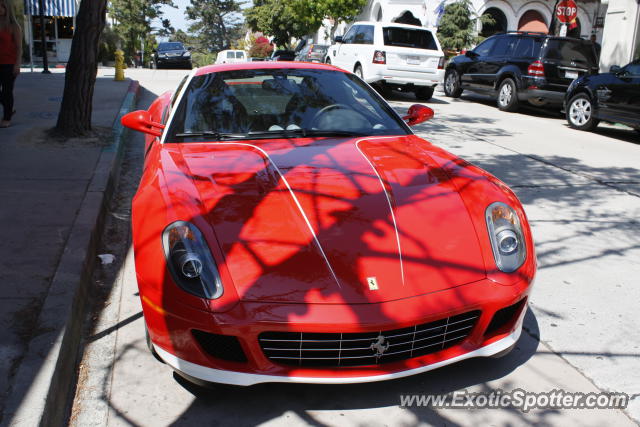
176	16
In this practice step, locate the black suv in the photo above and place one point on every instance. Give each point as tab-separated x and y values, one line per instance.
171	55
612	97
521	66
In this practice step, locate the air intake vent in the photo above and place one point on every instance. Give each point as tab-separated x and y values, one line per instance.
225	347
369	348
504	316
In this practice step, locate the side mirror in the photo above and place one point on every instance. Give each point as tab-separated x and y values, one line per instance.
417	114
337	39
615	69
141	121
190	48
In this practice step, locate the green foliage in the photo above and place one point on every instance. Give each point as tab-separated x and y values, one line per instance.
284	19
107	45
200	59
217	23
133	23
457	28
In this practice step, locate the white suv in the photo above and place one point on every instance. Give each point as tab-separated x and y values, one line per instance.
394	56
231	57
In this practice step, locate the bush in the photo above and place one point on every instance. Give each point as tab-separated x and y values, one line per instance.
200	59
260	50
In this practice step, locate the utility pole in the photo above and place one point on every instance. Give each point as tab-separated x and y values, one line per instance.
43	39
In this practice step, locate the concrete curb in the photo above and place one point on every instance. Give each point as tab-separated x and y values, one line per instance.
47	374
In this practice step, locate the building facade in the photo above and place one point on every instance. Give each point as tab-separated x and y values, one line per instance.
59	24
613	22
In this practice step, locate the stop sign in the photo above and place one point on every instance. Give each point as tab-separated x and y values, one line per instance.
566	11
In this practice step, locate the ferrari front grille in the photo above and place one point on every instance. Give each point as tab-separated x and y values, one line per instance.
367	348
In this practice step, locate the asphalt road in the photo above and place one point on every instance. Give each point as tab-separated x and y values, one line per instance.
581	192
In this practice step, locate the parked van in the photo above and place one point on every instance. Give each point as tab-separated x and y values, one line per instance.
393	56
231	56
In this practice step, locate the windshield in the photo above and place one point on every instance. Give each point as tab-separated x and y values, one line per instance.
571	50
404	37
282	102
170	46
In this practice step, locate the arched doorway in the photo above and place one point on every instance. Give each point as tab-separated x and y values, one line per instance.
575	31
408	18
498	24
533	21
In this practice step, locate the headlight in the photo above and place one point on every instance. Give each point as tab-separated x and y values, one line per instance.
187	54
190	262
505	233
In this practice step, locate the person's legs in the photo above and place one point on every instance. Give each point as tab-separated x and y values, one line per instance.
6	91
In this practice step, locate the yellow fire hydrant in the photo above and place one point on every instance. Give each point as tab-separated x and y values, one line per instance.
120	65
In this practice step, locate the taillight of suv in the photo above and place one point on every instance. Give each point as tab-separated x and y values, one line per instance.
441	63
536	69
379	57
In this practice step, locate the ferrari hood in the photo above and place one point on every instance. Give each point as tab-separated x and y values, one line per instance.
334	220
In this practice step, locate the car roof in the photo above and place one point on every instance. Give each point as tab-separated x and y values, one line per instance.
391	24
265	65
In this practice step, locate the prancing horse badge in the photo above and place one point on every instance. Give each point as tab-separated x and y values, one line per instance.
373	283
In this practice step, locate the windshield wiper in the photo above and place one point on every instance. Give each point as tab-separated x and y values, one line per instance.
288	133
211	134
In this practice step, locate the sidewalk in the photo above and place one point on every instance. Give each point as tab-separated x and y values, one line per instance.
52	195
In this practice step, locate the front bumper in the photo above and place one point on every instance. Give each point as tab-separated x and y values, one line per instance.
206	374
170	327
174	61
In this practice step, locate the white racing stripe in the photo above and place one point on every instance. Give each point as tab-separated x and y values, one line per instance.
393	216
295	199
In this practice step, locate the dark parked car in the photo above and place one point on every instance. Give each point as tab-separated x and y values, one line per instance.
171	55
521	66
312	53
283	55
612	97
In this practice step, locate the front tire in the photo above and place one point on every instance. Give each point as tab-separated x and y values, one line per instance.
424	93
508	95
580	113
452	87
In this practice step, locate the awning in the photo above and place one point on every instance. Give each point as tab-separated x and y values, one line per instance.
51	7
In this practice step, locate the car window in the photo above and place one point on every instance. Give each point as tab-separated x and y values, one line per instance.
504	46
239	54
170	46
570	51
230	55
405	37
528	47
243	101
364	35
484	48
349	36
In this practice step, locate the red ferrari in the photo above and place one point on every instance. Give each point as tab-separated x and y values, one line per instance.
290	227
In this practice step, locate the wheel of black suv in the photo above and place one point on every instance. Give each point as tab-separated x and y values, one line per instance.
452	86
358	71
424	93
580	113
508	95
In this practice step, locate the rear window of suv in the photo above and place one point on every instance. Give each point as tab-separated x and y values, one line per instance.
570	50
404	37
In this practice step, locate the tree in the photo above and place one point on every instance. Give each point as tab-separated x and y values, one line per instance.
261	48
74	118
457	28
217	22
133	22
284	19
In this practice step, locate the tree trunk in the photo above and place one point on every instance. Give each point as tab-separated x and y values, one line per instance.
74	118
